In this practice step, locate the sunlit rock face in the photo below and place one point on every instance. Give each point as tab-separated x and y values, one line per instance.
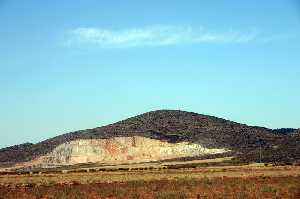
123	150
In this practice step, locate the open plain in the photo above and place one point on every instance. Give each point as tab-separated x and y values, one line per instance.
244	181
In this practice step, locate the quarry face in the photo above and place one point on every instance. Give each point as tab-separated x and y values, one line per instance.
120	150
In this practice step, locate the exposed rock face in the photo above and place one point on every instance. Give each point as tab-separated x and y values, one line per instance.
123	150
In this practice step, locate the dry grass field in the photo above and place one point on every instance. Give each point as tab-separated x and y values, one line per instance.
211	182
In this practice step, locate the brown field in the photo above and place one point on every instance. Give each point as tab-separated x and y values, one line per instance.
253	181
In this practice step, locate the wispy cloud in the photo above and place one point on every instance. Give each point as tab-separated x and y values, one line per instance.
153	36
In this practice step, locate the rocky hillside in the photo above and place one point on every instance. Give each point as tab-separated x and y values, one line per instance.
284	130
246	142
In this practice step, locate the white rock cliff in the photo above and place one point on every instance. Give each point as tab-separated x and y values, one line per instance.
119	150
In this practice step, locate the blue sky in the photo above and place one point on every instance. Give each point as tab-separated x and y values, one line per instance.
70	65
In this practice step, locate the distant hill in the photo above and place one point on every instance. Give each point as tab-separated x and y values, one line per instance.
245	142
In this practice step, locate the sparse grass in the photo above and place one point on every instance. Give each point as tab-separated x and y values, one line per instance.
268	189
155	185
171	195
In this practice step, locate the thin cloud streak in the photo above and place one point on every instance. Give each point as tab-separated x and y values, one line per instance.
155	36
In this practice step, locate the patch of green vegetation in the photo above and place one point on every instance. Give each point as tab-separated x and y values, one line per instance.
268	189
171	195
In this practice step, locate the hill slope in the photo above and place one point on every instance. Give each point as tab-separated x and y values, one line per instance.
174	126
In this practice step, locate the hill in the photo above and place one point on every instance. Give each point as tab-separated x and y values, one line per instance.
247	143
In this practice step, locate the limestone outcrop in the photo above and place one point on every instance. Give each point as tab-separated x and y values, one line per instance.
119	150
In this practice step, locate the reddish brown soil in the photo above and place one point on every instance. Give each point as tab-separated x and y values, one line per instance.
242	187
